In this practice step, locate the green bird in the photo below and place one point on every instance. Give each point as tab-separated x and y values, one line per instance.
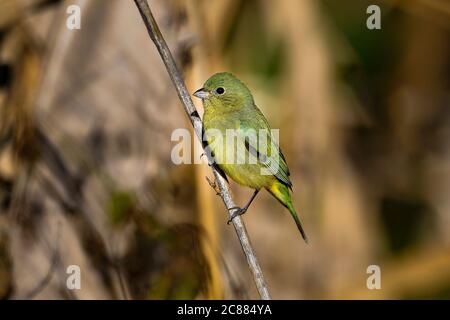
250	157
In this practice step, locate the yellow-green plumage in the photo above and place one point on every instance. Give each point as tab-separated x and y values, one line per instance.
229	105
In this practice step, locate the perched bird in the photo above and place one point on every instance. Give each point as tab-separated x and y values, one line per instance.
241	143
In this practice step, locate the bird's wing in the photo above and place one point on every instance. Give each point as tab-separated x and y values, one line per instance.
214	163
263	147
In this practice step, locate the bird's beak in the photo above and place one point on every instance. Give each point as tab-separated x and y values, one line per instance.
201	93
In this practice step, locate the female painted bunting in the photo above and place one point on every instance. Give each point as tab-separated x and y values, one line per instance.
256	161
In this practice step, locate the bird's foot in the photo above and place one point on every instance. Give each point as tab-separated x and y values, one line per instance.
213	185
237	212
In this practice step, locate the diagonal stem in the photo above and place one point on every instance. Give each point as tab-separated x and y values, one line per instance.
183	94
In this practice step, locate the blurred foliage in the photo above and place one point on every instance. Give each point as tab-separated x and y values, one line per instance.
165	262
249	47
366	128
119	206
373	76
406	222
162	262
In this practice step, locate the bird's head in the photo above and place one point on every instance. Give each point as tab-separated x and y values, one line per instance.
224	90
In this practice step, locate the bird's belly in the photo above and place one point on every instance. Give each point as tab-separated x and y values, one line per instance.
248	175
234	159
242	166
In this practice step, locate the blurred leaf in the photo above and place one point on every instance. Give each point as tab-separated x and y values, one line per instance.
120	206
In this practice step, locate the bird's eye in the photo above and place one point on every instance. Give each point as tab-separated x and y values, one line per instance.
220	90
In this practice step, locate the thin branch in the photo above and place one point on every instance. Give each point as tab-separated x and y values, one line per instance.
60	43
183	94
55	259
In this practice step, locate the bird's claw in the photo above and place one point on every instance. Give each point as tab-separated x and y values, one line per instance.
213	185
238	212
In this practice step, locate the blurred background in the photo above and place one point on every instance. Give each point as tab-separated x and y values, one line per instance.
86	176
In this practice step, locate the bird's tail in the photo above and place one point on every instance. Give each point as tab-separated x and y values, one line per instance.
297	221
281	192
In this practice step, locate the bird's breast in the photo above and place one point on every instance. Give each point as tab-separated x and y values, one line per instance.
231	154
